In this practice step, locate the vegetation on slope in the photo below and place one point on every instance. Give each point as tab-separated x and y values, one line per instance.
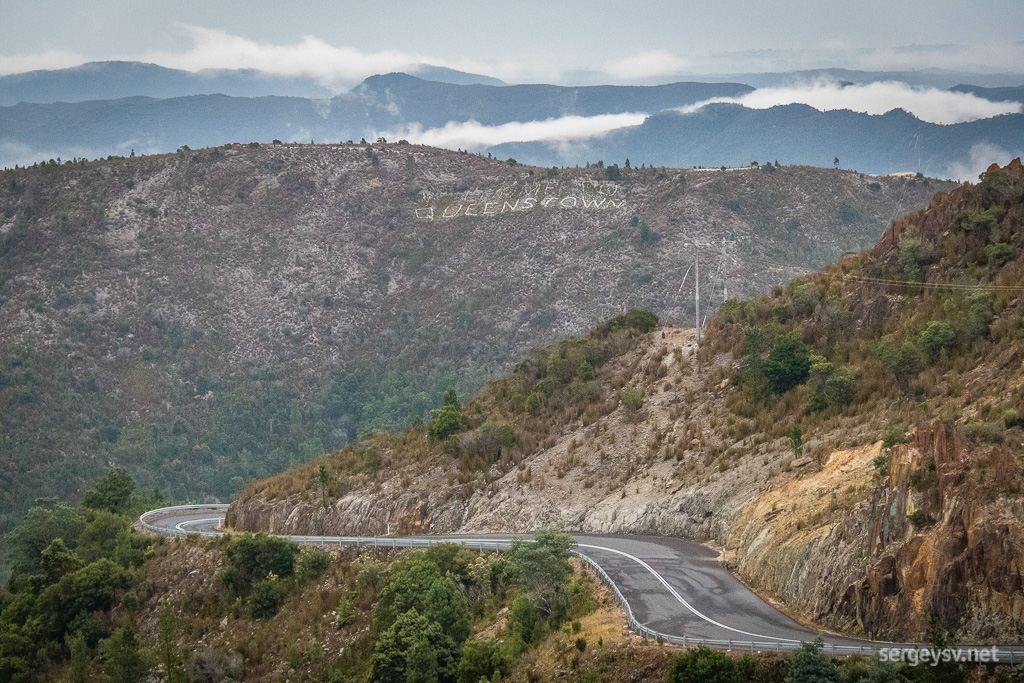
864	419
928	324
212	316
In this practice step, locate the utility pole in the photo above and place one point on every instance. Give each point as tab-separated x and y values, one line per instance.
696	305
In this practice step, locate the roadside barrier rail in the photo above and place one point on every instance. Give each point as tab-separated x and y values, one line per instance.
1005	655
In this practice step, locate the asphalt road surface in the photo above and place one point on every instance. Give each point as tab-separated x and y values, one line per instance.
673	586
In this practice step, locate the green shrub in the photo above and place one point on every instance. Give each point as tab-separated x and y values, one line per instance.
632	399
881	465
447	420
914	255
920	519
265	598
788	364
113	492
894	433
810	665
1012	418
481	660
639	319
312	564
251	558
935	338
533	404
999	254
703	665
902	360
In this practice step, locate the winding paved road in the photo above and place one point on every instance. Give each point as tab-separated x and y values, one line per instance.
670	587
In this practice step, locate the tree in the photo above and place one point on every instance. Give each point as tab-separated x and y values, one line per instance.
796	440
935	338
481	659
81	661
44	522
417	583
835	164
413	648
250	558
902	360
57	560
703	665
542	569
811	666
533	404
325	480
613	172
123	657
631	399
913	256
447	420
112	493
167	650
639	319
830	386
788	363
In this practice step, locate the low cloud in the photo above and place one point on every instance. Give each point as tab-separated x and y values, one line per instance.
472	135
928	104
215	49
646	65
51	59
981	156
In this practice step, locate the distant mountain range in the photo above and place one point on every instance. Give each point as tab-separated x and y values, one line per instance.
795	134
116	80
114	108
30	132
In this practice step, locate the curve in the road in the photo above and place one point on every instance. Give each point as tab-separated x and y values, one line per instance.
654	572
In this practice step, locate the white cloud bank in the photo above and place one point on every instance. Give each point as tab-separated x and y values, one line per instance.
51	59
981	156
928	104
474	135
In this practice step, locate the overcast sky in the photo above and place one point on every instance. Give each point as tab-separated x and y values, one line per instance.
519	41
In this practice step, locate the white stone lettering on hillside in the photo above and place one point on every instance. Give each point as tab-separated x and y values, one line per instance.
589	195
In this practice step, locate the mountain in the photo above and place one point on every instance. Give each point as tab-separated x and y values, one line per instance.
850	442
117	80
930	78
30	132
210	316
1006	94
796	133
443	74
715	135
432	105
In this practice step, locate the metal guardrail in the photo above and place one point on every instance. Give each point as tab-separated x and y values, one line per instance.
1005	655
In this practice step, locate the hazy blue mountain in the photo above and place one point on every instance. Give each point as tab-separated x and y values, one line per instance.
435	104
30	132
935	78
733	135
116	80
443	74
1010	94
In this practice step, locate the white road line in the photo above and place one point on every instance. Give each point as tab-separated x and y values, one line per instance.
190	522
678	597
179	526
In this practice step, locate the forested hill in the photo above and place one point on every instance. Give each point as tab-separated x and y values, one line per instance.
214	315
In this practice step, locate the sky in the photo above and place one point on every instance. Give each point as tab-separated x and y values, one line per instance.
524	41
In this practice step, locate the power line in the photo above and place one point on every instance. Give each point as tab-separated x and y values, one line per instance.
934	285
